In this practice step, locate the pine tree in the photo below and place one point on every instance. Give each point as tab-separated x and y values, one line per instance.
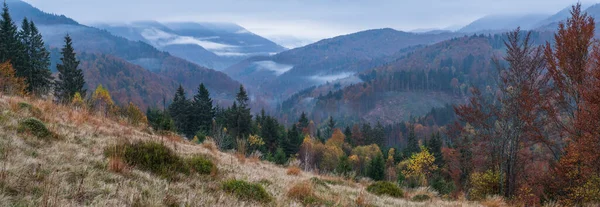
379	135
303	121
280	157
330	127
11	49
376	170
241	120
348	132
180	111
203	110
435	147
70	78
413	143
37	66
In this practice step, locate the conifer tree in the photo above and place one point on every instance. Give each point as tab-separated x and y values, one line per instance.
180	111
241	120
413	143
376	170
330	127
37	65
203	110
11	49
348	132
70	77
303	121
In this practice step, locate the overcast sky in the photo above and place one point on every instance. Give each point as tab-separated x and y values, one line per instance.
302	19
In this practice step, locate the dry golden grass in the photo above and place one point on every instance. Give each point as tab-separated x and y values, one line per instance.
293	170
74	171
117	165
301	191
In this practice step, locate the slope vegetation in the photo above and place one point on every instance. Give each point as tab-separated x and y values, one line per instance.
73	167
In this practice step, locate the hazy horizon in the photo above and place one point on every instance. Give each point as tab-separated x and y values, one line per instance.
295	23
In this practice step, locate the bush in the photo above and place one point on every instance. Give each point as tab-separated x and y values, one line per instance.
150	156
304	193
246	191
35	127
293	170
421	198
484	184
201	165
385	188
199	138
32	109
442	186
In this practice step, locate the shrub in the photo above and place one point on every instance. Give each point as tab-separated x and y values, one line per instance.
442	186
32	109
293	170
246	191
484	184
304	193
385	188
199	138
150	156
421	198
201	165
35	127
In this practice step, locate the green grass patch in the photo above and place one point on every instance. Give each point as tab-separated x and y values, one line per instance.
421	198
150	156
247	191
201	165
385	188
35	127
160	160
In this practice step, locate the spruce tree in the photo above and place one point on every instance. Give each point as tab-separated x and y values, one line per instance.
180	111
11	48
70	77
37	66
330	127
242	120
376	170
413	143
348	132
303	121
203	110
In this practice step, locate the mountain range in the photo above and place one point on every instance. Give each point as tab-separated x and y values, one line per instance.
213	45
156	72
145	61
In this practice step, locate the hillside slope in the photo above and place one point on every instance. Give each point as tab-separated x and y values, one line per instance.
71	169
95	41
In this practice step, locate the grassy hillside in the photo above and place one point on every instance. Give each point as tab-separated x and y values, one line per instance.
68	166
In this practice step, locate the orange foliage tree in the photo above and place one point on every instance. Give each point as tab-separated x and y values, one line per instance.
9	83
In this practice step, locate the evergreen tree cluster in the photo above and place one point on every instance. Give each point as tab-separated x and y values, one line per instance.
25	50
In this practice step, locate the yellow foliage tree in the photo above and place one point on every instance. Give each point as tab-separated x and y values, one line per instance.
135	115
419	166
77	101
101	100
9	83
365	154
337	139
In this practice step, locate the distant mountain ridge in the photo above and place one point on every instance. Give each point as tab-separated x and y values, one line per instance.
127	57
327	60
214	45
